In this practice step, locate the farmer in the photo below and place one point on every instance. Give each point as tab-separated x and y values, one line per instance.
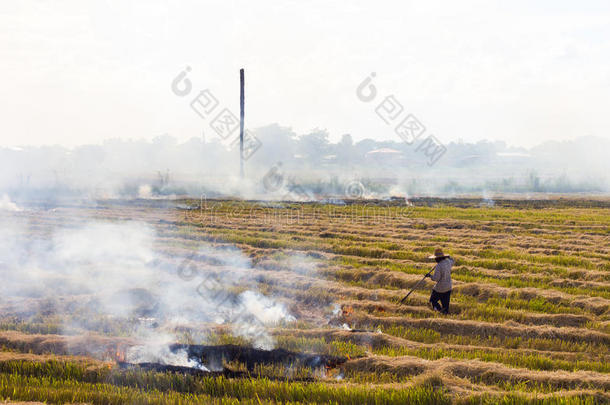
442	275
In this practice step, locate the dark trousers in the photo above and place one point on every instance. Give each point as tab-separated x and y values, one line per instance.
444	298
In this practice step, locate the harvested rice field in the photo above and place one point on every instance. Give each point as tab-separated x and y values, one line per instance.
227	302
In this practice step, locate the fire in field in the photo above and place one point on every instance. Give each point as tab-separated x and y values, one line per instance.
246	302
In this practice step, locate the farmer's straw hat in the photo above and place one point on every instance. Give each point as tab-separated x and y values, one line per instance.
438	253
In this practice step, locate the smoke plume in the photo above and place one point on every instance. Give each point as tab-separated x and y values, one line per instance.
88	273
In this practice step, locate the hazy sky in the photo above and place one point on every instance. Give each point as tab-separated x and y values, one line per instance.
76	72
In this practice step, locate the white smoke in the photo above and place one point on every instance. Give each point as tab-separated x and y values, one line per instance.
166	167
488	200
113	270
267	312
144	191
7	205
157	350
303	265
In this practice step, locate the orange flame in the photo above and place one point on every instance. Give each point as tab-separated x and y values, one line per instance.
347	310
117	354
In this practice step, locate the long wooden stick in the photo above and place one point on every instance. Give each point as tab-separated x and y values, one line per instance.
416	285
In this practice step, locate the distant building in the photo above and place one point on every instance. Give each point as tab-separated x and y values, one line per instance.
385	155
329	159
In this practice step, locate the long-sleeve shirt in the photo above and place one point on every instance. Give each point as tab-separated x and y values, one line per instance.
442	275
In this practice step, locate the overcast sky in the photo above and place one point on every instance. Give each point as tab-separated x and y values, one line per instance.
76	72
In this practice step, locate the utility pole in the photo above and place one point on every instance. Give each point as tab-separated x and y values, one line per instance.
241	123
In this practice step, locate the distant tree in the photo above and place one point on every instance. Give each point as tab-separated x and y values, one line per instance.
346	141
364	146
278	145
345	151
534	182
165	140
314	145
